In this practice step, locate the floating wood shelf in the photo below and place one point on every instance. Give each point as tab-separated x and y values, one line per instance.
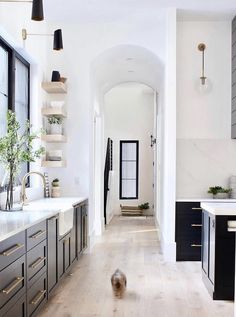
54	111
53	163
54	138
55	87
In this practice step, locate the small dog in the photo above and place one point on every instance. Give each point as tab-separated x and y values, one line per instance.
118	283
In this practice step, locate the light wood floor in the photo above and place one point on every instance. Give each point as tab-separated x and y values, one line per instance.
155	288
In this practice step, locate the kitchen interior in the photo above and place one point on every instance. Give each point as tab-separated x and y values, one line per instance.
45	231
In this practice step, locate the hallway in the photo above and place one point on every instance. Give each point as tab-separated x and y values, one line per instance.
154	288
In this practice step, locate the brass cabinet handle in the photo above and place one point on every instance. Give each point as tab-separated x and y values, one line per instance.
196	225
196	245
12	250
38	297
196	208
38	234
12	285
37	262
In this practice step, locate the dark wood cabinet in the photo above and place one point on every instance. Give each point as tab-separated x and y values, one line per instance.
52	254
188	231
17	309
218	256
64	254
73	242
84	226
33	261
78	210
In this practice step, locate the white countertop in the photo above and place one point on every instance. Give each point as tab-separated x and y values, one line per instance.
12	223
206	200
220	209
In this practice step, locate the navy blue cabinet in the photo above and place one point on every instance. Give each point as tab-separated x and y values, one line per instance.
218	256
188	231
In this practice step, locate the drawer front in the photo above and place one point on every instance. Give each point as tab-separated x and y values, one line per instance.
188	250
18	309
11	249
36	262
188	220
36	234
37	296
12	281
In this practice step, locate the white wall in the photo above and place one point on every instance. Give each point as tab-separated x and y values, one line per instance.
128	115
205	152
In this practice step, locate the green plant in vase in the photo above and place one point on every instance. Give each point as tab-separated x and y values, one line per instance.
16	148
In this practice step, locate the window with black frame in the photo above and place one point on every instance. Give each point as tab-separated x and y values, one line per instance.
14	91
129	160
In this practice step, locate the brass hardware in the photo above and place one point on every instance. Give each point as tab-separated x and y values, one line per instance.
196	225
37	262
201	48
13	285
38	297
196	208
196	245
12	250
38	234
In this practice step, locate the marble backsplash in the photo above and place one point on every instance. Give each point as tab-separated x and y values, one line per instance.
202	163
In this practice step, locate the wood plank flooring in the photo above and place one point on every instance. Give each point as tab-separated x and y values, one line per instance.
155	288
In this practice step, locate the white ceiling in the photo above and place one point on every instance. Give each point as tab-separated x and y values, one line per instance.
119	10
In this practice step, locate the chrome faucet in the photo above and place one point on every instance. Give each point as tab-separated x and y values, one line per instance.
23	191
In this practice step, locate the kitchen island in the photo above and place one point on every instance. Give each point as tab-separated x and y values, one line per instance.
38	247
218	245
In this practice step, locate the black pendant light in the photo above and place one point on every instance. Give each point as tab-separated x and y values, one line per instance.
37	10
58	43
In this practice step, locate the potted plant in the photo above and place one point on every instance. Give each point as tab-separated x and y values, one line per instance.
219	192
55	123
16	148
56	192
144	206
55	183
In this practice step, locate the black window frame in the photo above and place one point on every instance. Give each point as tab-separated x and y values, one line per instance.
137	170
12	56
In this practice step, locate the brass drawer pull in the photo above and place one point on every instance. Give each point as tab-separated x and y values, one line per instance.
38	234
13	285
196	225
196	245
196	208
12	250
38	297
37	262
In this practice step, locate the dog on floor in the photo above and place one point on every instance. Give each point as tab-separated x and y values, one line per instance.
118	283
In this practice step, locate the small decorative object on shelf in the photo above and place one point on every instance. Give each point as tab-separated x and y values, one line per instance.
55	124
56	76
16	148
56	192
54	155
219	192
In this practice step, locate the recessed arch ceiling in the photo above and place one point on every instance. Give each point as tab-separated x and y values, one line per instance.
119	10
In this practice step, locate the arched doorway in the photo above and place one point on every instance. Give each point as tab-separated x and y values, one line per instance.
122	64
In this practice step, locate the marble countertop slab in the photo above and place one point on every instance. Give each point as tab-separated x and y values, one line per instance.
210	200
220	209
12	223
